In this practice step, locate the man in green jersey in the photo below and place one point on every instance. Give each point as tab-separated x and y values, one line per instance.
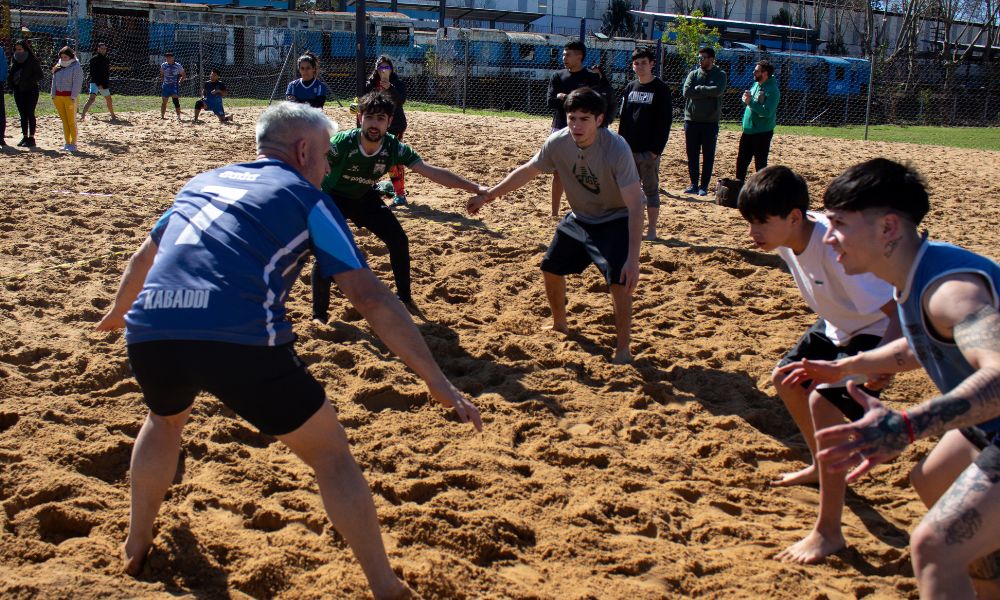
358	159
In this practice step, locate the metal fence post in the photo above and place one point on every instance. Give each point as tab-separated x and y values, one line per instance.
201	60
871	82
465	81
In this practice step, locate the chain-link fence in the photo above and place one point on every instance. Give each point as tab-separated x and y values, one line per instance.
498	70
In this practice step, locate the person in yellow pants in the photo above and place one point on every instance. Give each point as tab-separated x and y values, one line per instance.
67	79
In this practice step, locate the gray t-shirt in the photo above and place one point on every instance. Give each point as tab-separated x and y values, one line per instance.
593	176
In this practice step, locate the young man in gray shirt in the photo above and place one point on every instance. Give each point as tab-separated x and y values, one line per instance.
703	90
605	224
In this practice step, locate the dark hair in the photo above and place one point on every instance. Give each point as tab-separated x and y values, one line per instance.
374	103
643	53
310	58
67	51
216	71
576	46
766	66
167	53
773	191
881	184
384	58
27	47
710	51
585	99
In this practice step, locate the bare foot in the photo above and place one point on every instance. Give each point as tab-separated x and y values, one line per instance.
83	118
812	549
650	236
804	476
404	592
622	357
134	563
562	328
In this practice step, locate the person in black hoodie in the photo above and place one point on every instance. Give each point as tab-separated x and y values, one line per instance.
562	82
384	79
25	73
100	81
644	121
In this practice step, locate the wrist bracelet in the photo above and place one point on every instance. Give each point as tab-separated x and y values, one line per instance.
909	426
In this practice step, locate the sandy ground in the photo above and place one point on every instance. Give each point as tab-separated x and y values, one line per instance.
590	480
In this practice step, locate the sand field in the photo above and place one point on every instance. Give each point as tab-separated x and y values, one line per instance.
590	480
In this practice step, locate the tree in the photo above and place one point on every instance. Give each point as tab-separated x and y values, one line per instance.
618	21
691	35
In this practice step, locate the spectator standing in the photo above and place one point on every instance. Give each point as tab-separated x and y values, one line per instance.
761	102
171	76
384	79
3	107
703	90
25	73
307	89
645	118
100	81
67	79
573	77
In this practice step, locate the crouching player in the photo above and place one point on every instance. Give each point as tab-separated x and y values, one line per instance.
214	91
948	300
853	316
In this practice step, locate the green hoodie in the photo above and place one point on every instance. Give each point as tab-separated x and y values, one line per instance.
759	115
703	94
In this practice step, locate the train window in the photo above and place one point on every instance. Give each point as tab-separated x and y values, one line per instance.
395	36
526	52
840	73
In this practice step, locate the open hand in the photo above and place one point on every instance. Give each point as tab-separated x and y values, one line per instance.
817	371
875	438
110	322
450	397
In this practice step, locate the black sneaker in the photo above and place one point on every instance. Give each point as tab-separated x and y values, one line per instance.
23	142
3	142
30	143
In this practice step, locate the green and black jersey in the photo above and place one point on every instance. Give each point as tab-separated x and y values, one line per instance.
353	173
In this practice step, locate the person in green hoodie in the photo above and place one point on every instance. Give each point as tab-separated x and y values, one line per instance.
703	90
758	120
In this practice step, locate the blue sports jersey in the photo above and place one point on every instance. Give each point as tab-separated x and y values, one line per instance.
942	360
303	92
171	73
230	248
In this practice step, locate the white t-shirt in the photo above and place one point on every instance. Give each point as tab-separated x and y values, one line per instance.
848	303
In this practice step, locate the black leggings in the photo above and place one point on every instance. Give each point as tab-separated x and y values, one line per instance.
26	101
371	213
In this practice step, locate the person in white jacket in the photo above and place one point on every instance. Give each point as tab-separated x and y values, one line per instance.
67	79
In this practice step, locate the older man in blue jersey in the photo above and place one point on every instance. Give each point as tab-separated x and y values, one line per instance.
202	301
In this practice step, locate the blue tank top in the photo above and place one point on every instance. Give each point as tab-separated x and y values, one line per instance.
942	360
229	250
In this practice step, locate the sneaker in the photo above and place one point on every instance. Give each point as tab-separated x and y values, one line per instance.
30	143
70	147
691	190
23	142
3	142
385	188
703	192
399	200
64	147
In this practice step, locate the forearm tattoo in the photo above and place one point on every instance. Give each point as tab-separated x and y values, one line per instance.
889	432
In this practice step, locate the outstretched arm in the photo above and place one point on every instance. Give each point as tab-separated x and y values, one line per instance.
394	326
514	180
446	178
961	308
130	286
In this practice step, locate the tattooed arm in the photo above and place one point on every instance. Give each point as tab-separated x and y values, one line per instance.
960	308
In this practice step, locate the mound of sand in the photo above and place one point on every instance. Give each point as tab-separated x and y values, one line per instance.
590	480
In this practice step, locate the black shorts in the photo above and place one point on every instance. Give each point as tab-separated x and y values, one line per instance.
815	345
577	244
266	385
988	444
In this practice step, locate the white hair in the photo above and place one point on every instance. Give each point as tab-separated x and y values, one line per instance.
284	122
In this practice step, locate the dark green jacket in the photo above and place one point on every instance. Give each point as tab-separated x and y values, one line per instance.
759	115
703	94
